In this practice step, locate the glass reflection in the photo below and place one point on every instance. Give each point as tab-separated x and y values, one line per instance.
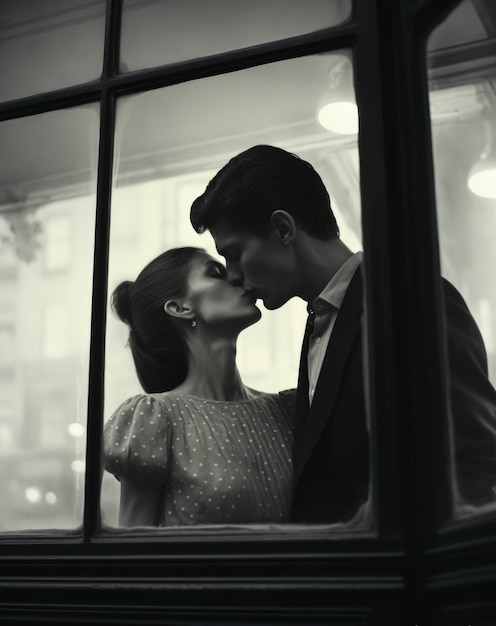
46	247
463	114
49	45
161	33
170	144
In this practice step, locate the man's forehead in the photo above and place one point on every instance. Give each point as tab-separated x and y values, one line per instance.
225	235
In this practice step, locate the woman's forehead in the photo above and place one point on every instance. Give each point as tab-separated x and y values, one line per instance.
202	259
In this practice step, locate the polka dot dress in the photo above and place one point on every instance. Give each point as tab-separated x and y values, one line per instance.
217	462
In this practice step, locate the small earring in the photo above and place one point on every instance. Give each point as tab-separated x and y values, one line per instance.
193	323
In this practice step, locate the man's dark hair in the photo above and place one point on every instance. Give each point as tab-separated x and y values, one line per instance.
259	181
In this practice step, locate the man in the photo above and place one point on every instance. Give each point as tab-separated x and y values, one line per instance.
270	216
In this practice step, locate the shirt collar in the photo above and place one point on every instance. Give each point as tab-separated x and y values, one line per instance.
333	292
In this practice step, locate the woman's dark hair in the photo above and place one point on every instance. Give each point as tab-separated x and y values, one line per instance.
157	345
259	181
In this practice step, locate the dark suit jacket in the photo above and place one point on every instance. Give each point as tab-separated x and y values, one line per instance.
331	449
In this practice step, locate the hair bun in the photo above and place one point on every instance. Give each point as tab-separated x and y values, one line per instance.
121	302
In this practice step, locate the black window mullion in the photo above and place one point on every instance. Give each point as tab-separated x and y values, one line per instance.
384	377
397	208
112	39
50	101
91	518
411	237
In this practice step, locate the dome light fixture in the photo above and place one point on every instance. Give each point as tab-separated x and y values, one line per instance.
337	110
482	176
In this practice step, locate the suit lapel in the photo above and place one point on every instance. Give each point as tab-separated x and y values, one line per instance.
346	328
301	408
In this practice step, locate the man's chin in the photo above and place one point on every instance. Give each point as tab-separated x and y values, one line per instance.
270	304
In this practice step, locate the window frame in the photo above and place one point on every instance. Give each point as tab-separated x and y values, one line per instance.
403	566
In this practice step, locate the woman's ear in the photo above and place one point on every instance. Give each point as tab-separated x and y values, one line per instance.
283	226
179	308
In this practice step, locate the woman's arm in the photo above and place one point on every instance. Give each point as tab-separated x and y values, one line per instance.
139	505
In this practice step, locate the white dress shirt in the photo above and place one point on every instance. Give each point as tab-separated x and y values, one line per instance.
325	308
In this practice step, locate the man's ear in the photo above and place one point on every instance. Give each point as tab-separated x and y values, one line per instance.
179	308
283	226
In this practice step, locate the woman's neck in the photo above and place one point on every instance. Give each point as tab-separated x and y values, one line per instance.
212	371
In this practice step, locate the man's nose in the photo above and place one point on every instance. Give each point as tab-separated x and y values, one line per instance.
235	276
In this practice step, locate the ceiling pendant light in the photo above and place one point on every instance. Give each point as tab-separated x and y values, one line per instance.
337	110
482	176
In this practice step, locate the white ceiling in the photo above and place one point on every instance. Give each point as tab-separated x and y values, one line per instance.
191	125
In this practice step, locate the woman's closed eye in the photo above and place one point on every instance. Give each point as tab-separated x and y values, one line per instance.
218	271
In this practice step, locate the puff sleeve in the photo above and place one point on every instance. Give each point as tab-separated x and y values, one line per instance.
287	399
137	441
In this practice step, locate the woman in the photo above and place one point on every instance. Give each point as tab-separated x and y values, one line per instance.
199	447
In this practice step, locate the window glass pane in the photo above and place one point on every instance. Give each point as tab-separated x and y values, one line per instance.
47	219
49	45
161	33
463	113
171	142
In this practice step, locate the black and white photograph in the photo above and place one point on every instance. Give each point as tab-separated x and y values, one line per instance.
248	312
